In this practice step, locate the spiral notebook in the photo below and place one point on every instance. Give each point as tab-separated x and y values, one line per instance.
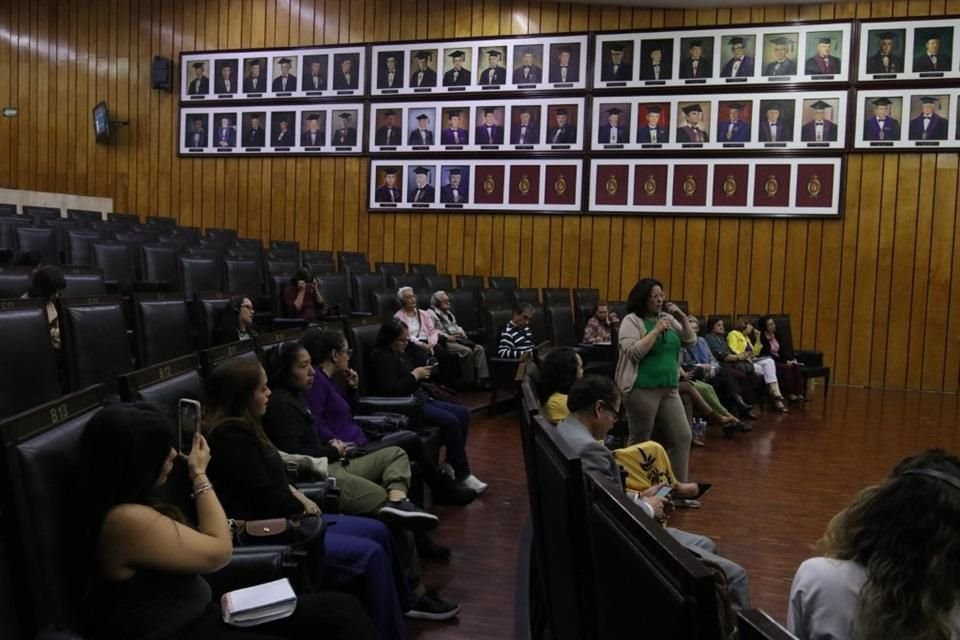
259	604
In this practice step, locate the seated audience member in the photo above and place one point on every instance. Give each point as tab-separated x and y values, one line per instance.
472	357
649	342
594	403
891	560
375	484
301	297
647	463
732	385
394	376
600	326
423	334
144	564
717	341
356	555
46	283
332	408
744	341
516	339
236	322
788	369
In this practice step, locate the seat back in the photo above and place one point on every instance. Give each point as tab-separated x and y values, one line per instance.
243	276
754	624
348	259
494	321
161	264
199	274
41	214
214	356
125	218
556	297
472	283
391	268
165	222
267	342
631	552
9	627
14	281
318	256
383	304
39	499
29	375
463	302
164	383
83	281
336	293
584	300
116	262
7	209
363	285
560	330
137	237
78	247
8	230
84	215
229	235
436	282
525	296
362	337
424	269
280	266
495	298
502	282
95	343
275	284
290	254
619	308
163	327
209	308
289	247
41	240
397	280
319	268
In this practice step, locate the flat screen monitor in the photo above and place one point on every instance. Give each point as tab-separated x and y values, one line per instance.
101	122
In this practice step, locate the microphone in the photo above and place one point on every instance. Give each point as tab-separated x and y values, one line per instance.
663	315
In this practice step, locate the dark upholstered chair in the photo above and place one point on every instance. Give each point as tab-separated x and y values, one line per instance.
199	274
383	304
502	282
164	222
811	359
244	350
83	281
463	303
230	235
424	269
347	259
209	308
78	246
8	230
556	297
163	328
495	298
163	384
7	209
502	370
524	296
397	280
161	264
29	374
287	247
244	277
584	300
41	214
95	342
362	285
434	282
14	281
472	283
318	256
275	285
84	215
280	266
115	259
336	294
124	218
391	268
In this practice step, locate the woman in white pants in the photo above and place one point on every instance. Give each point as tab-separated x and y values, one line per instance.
744	342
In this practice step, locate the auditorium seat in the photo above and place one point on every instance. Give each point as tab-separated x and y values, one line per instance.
463	303
384	303
336	294
754	624
524	296
253	244
209	308
163	384
41	240
437	282
287	247
191	234
29	375
363	284
391	268
123	218
502	282
199	274
95	341
584	300
9	626
116	262
164	222
243	350
473	283
39	215
8	230
163	327
319	268
280	266
14	281
83	281
494	298
811	359
84	215
556	297
161	265
424	269
212	252
353	261
228	235
137	237
283	254
243	277
8	209
397	280
318	256
502	370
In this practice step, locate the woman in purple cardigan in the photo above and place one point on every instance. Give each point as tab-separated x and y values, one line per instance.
333	407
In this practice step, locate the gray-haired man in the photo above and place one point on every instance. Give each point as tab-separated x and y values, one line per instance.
472	357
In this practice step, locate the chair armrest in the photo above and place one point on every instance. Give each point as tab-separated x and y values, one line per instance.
809	357
361	314
372	404
327	497
253	565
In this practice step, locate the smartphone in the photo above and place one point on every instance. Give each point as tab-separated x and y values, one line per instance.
188	423
664	492
433	363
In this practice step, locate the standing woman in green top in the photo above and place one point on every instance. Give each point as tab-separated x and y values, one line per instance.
651	336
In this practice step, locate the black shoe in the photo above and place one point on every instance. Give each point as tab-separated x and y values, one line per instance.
744	427
430	606
404	514
448	491
746	414
742	403
427	549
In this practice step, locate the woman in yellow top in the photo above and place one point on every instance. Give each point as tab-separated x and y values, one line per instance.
744	342
646	463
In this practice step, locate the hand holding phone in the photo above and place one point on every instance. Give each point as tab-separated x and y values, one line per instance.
663	492
188	423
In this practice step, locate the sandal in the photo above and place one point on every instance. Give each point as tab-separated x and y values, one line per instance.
778	405
686	503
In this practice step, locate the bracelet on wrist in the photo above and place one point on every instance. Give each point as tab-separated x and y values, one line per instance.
202	489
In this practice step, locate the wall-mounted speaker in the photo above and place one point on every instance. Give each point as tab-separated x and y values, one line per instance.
161	73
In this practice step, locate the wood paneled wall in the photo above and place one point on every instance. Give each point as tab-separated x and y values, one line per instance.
875	291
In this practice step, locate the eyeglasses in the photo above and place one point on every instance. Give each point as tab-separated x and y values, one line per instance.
616	413
247	306
658	296
347	351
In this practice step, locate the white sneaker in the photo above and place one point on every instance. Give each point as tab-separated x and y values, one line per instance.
447	470
473	482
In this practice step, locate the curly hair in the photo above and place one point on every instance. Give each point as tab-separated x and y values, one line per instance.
558	372
904	534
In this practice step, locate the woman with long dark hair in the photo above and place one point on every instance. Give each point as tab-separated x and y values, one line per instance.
394	375
46	283
236	322
788	369
145	564
651	336
891	561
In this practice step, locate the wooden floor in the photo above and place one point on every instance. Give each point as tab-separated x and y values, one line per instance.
774	491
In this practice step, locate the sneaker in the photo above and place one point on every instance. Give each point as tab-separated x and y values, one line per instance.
430	606
449	492
473	482
403	513
447	470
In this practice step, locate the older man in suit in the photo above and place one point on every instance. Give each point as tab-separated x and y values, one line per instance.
255	135
653	132
489	132
197	136
421	136
285	82
772	127
346	77
200	83
345	136
254	82
822	62
562	70
388	191
562	132
527	72
458	75
612	132
226	133
389	133
616	70
695	65
494	74
820	129
929	125
881	126
312	136
734	129
453	192
885	60
422	190
932	59
740	65
454	133
526	131
693	130
225	82
781	65
423	75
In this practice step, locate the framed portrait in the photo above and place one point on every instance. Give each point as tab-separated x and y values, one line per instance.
477	126
269	74
908	49
480	65
656	60
918	119
779	54
197	132
730	122
549	186
274	129
746	187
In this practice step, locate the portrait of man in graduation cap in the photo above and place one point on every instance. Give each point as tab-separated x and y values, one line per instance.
422	190
225	134
488	131
458	75
199	82
732	124
455	190
390	132
423	74
928	124
197	134
932	49
453	132
388	191
253	80
313	135
346	71
284	81
888	57
776	121
422	134
526	125
254	133
562	129
389	70
613	130
494	74
651	129
283	129
527	70
656	59
345	134
692	124
565	62
226	80
820	128
740	63
881	125
696	64
315	73
823	62
781	59
616	62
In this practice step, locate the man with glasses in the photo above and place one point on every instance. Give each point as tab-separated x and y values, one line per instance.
516	340
472	357
595	404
